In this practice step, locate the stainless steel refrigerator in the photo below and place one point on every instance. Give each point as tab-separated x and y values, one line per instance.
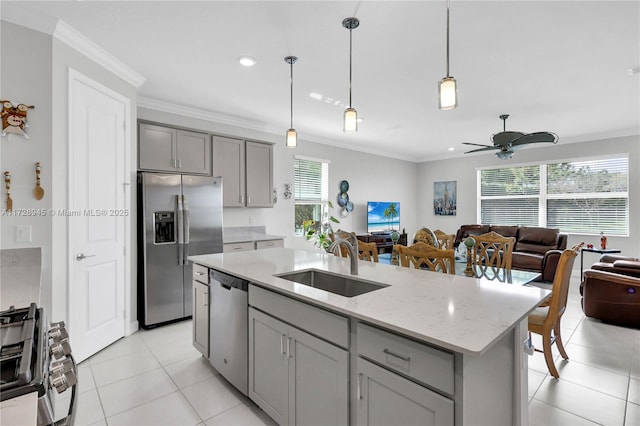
178	216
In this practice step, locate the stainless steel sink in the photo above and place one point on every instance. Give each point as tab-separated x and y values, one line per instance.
346	286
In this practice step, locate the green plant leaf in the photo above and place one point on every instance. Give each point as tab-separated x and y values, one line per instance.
334	220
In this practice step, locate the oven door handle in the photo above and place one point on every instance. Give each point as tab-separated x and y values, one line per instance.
69	419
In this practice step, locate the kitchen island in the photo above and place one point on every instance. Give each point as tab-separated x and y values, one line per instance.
464	338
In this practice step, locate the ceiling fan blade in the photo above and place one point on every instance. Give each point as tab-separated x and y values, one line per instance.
477	144
505	138
488	148
537	137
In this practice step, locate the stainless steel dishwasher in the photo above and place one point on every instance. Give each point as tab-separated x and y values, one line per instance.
229	332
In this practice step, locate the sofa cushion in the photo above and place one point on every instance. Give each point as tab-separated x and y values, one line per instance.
541	236
505	231
467	230
627	264
527	261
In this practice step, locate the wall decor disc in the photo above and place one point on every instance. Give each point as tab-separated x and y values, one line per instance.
344	212
349	206
344	186
342	199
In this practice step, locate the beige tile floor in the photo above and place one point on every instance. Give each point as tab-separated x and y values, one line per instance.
155	377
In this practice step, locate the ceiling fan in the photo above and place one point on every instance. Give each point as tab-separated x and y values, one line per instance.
508	142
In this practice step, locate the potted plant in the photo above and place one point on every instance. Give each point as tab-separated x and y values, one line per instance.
318	233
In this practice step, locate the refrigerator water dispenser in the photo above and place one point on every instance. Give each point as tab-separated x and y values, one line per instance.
164	227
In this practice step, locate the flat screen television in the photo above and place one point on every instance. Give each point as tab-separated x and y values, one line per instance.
383	216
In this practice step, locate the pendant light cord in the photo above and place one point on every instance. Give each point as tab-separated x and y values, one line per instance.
350	61
291	81
448	2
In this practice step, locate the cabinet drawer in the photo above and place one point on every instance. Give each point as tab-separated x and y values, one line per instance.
426	364
231	247
269	244
201	273
324	324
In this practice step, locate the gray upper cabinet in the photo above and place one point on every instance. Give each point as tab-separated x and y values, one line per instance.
228	162
259	166
173	150
246	168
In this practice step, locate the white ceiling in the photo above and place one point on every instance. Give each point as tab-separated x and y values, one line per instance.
553	65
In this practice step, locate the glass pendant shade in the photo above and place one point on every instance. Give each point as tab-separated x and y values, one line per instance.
448	93
350	120
292	138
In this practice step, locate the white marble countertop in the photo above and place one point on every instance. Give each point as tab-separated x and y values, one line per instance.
462	314
247	237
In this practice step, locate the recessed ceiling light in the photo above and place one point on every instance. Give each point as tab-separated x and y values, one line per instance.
452	149
247	61
633	70
316	96
360	119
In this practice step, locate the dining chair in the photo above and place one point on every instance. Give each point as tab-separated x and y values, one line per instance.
425	235
424	256
445	241
368	251
492	249
545	319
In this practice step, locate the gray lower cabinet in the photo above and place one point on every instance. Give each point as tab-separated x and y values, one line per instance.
201	317
296	378
386	398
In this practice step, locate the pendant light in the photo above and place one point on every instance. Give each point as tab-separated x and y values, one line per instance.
350	114
447	87
292	136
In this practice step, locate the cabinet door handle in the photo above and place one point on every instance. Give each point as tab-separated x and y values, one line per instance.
248	199
199	273
179	164
404	358
289	355
282	339
205	299
242	199
359	389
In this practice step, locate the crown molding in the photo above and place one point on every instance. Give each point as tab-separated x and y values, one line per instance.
68	35
216	117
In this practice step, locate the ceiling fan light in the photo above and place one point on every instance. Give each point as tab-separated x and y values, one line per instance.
350	120
448	93
292	138
504	155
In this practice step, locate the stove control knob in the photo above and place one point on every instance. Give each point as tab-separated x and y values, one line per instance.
60	349
61	366
58	334
63	380
59	324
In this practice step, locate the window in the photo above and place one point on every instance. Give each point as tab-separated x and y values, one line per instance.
582	196
311	189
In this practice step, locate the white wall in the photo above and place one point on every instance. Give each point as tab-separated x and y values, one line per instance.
371	178
35	71
26	78
463	170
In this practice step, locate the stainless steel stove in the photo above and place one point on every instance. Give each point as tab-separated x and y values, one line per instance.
36	357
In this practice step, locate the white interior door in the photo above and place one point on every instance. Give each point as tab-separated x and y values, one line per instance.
98	203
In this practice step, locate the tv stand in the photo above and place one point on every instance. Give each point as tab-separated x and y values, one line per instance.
383	240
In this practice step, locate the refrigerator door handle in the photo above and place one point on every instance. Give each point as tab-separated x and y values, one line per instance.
185	214
180	230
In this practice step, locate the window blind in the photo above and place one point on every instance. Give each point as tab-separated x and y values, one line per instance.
311	179
586	196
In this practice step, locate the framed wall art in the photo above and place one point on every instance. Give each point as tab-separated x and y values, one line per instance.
444	198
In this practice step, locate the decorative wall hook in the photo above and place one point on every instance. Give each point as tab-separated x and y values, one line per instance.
14	118
38	192
7	186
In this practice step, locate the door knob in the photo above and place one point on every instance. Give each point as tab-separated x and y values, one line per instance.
81	256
